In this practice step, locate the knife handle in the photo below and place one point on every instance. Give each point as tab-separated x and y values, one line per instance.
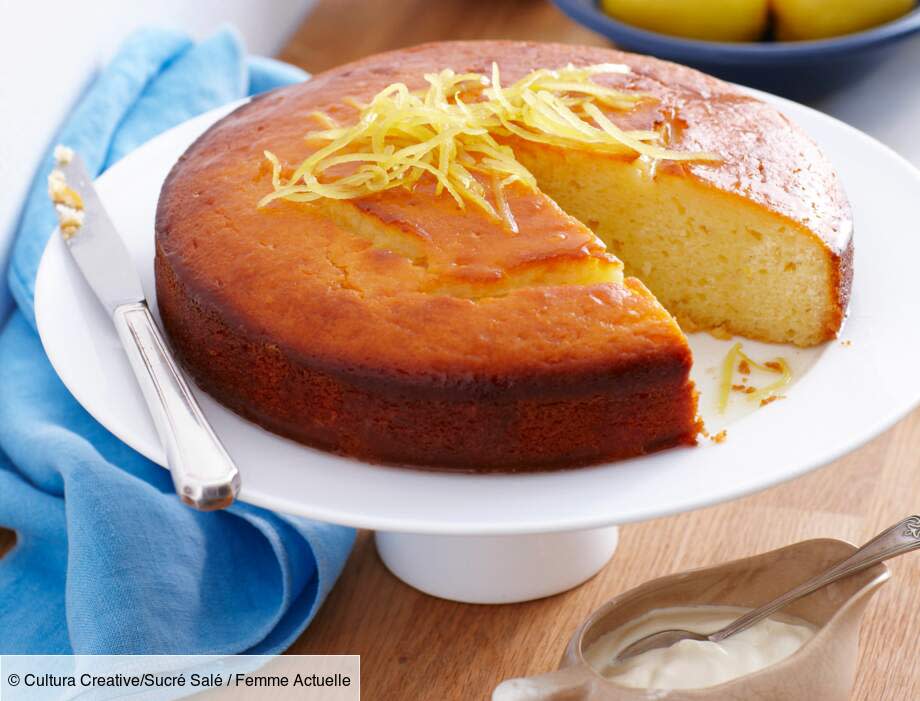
203	473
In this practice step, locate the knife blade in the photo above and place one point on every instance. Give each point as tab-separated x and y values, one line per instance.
96	246
204	475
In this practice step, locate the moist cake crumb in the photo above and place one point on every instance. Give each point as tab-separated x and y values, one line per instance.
63	154
67	202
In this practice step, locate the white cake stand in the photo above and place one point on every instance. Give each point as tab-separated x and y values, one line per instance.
503	538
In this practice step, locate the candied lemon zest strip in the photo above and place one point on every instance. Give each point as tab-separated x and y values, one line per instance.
448	132
731	362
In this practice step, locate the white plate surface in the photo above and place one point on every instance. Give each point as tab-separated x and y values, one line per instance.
844	394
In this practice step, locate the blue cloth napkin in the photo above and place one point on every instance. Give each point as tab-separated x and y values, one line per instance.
107	560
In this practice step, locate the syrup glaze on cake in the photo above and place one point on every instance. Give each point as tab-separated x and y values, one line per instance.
400	328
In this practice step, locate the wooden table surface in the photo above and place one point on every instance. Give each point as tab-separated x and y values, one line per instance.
415	647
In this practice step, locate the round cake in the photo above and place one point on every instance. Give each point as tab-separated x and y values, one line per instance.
400	326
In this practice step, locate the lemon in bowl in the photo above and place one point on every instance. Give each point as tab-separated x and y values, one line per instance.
710	20
788	54
802	20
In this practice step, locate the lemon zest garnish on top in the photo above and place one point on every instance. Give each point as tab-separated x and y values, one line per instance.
448	131
734	358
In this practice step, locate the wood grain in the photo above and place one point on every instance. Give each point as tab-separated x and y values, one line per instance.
415	647
338	31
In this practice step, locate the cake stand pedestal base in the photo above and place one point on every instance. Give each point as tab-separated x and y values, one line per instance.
499	569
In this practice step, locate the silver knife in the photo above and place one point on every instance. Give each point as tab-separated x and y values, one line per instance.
203	473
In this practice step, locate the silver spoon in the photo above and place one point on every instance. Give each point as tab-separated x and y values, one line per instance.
897	540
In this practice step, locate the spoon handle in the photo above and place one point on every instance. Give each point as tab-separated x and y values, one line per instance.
900	538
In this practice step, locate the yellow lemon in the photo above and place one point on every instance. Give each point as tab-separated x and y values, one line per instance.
713	20
816	19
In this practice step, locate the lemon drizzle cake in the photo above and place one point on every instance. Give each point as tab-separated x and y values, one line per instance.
401	325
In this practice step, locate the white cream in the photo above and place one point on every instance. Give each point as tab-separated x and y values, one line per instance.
695	665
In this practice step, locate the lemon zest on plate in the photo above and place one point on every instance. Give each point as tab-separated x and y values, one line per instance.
733	359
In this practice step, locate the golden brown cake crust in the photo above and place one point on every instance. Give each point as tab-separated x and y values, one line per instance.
470	422
325	338
766	158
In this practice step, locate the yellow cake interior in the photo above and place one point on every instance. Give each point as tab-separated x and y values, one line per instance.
715	261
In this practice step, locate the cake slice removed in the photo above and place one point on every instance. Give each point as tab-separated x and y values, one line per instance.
713	259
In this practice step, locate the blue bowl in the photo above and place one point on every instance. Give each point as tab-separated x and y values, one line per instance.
800	69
